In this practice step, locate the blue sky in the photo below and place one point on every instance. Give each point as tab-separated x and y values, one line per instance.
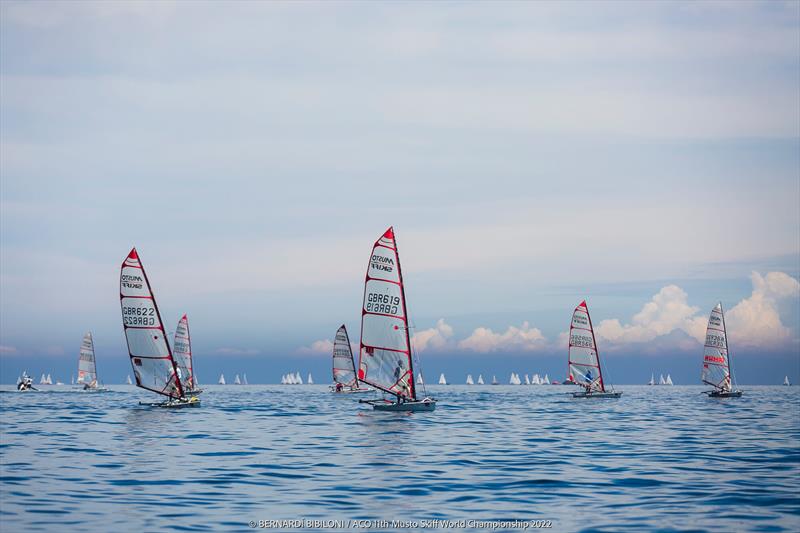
529	155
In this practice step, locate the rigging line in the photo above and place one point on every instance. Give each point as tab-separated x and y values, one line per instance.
415	356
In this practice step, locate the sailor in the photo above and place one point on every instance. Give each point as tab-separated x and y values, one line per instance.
339	387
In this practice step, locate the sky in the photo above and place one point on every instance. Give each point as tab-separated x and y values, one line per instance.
642	156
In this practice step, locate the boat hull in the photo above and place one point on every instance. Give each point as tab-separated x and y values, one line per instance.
723	394
175	404
352	391
423	406
607	395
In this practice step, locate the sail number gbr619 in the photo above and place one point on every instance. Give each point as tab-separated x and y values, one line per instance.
138	316
382	303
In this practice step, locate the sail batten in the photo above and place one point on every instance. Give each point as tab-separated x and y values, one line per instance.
151	357
384	359
584	363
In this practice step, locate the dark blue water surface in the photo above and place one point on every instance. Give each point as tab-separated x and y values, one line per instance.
658	458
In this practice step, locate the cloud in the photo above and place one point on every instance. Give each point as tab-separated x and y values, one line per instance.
322	347
756	321
664	313
7	350
669	320
434	338
237	351
525	339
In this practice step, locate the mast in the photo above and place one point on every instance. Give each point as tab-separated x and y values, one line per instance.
405	311
137	318
727	351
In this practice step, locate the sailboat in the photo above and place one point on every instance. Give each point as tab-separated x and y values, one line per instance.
442	380
514	380
527	379
786	381
494	380
310	380
297	379
221	379
469	380
43	380
716	358
480	379
154	368
384	359
236	380
669	380
652	380
128	381
419	379
87	367
244	379
584	361
344	366
661	380
536	380
546	380
182	353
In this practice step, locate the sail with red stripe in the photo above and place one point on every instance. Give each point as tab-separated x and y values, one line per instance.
716	364
182	352
384	359
344	368
87	369
584	363
151	358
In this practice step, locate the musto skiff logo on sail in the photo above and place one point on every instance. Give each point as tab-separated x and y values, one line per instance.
379	262
382	303
131	281
138	316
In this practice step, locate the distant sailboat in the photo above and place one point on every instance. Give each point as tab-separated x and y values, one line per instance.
527	379
546	380
310	380
344	365
716	358
786	381
154	367
43	380
442	380
244	379
221	379
480	379
584	361
87	367
128	381
669	380
494	380
182	352
236	380
661	380
536	380
652	380
385	361
469	380
297	379
49	379
72	381
419	379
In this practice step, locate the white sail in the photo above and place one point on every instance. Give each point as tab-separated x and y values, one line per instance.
244	379
716	364
546	380
469	380
344	366
297	379
49	380
236	380
652	380
419	379
182	352
221	379
786	381
310	380
442	380
584	363
384	360
87	369
661	380
128	381
480	379
536	380
154	368
494	380
669	380
283	379
43	380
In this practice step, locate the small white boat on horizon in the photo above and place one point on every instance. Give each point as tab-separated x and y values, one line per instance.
469	380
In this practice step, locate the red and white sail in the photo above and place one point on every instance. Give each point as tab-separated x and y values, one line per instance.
716	365
344	368
584	363
182	353
87	369
384	360
151	358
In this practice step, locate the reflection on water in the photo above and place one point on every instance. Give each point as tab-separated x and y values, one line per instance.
660	457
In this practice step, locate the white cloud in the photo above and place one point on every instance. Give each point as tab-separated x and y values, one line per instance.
237	351
322	347
664	313
435	338
756	321
525	338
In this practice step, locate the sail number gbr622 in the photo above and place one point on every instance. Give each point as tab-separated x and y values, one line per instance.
138	316
382	303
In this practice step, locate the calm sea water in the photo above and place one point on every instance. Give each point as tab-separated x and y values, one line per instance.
658	458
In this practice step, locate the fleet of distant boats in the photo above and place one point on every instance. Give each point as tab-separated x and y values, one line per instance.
385	363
